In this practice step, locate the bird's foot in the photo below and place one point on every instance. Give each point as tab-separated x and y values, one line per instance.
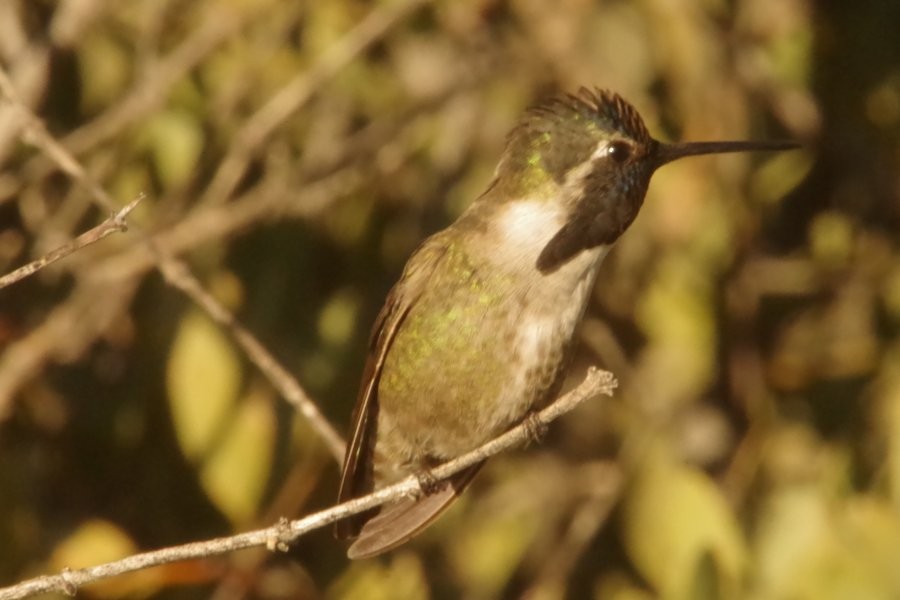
536	428
428	483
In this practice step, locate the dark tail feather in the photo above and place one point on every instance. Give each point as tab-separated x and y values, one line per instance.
399	521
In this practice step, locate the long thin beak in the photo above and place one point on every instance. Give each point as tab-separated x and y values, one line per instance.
666	153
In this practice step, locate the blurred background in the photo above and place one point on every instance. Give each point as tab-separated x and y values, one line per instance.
295	153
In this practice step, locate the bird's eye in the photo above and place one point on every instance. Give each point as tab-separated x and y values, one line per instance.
619	151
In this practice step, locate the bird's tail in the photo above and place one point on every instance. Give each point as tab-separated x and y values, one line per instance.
399	521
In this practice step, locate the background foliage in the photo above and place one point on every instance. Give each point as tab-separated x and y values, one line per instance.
296	152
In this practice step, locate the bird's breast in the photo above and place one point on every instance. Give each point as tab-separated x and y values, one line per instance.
486	339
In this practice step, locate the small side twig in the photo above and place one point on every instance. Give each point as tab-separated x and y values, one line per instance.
178	275
297	92
280	535
114	223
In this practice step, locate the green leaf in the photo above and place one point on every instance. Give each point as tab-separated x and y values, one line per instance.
403	578
680	532
236	473
175	141
105	68
203	377
94	542
677	309
813	547
486	552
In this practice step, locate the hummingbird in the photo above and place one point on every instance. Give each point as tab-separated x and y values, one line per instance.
477	333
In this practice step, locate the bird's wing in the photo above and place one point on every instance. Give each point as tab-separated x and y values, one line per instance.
399	521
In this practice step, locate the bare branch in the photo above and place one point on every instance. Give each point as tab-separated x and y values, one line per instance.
297	92
602	484
150	91
178	275
213	222
115	222
154	88
281	535
64	332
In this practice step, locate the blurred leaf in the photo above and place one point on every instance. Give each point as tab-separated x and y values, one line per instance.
888	394
890	293
489	536
326	22
104	68
810	547
203	376
883	103
619	587
680	532
131	180
236	472
318	370
337	321
831	239
403	578
96	542
676	316
794	535
175	140
873	538
791	56
350	219
486	551
780	174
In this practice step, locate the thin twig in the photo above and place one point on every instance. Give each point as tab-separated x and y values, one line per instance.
179	276
114	223
65	331
297	92
213	222
150	91
157	82
280	536
275	197
602	483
